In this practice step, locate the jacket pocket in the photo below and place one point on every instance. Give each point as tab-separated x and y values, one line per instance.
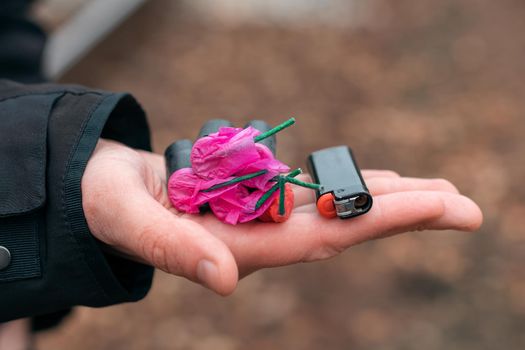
23	152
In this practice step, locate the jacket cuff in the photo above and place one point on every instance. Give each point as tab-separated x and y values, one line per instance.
117	117
49	133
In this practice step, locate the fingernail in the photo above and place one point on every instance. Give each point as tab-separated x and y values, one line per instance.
207	273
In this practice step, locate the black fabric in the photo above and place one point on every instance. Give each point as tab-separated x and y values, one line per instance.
47	135
74	270
20	236
24	130
50	320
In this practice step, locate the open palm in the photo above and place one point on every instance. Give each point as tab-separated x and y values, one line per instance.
127	208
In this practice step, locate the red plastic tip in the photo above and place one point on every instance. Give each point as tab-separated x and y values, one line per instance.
272	213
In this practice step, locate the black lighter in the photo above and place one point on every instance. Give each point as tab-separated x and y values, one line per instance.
343	192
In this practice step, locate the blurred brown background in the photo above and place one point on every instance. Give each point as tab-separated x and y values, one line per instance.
426	88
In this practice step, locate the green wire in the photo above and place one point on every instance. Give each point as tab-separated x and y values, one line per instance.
295	172
265	196
302	183
282	209
281	181
292	174
235	180
275	130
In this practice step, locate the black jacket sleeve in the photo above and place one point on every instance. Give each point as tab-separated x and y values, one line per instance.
47	135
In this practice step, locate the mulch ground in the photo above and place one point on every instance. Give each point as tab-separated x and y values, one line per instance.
430	89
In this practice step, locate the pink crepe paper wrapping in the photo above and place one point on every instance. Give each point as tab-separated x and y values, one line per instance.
220	157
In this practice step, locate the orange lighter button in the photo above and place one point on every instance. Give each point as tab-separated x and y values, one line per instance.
325	206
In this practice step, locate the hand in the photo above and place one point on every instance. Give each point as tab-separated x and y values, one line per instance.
127	207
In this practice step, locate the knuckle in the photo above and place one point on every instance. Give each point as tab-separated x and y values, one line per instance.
391	173
436	211
158	256
419	228
328	251
153	248
376	185
326	247
427	224
444	184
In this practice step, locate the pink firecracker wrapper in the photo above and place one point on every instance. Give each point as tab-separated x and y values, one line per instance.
221	157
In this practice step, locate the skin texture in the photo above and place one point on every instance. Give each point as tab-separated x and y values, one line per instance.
138	221
14	335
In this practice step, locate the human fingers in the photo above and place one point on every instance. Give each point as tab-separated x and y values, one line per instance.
382	185
122	212
378	185
309	237
157	163
303	195
140	226
15	335
371	173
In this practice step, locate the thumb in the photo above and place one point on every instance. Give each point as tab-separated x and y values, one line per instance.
135	224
